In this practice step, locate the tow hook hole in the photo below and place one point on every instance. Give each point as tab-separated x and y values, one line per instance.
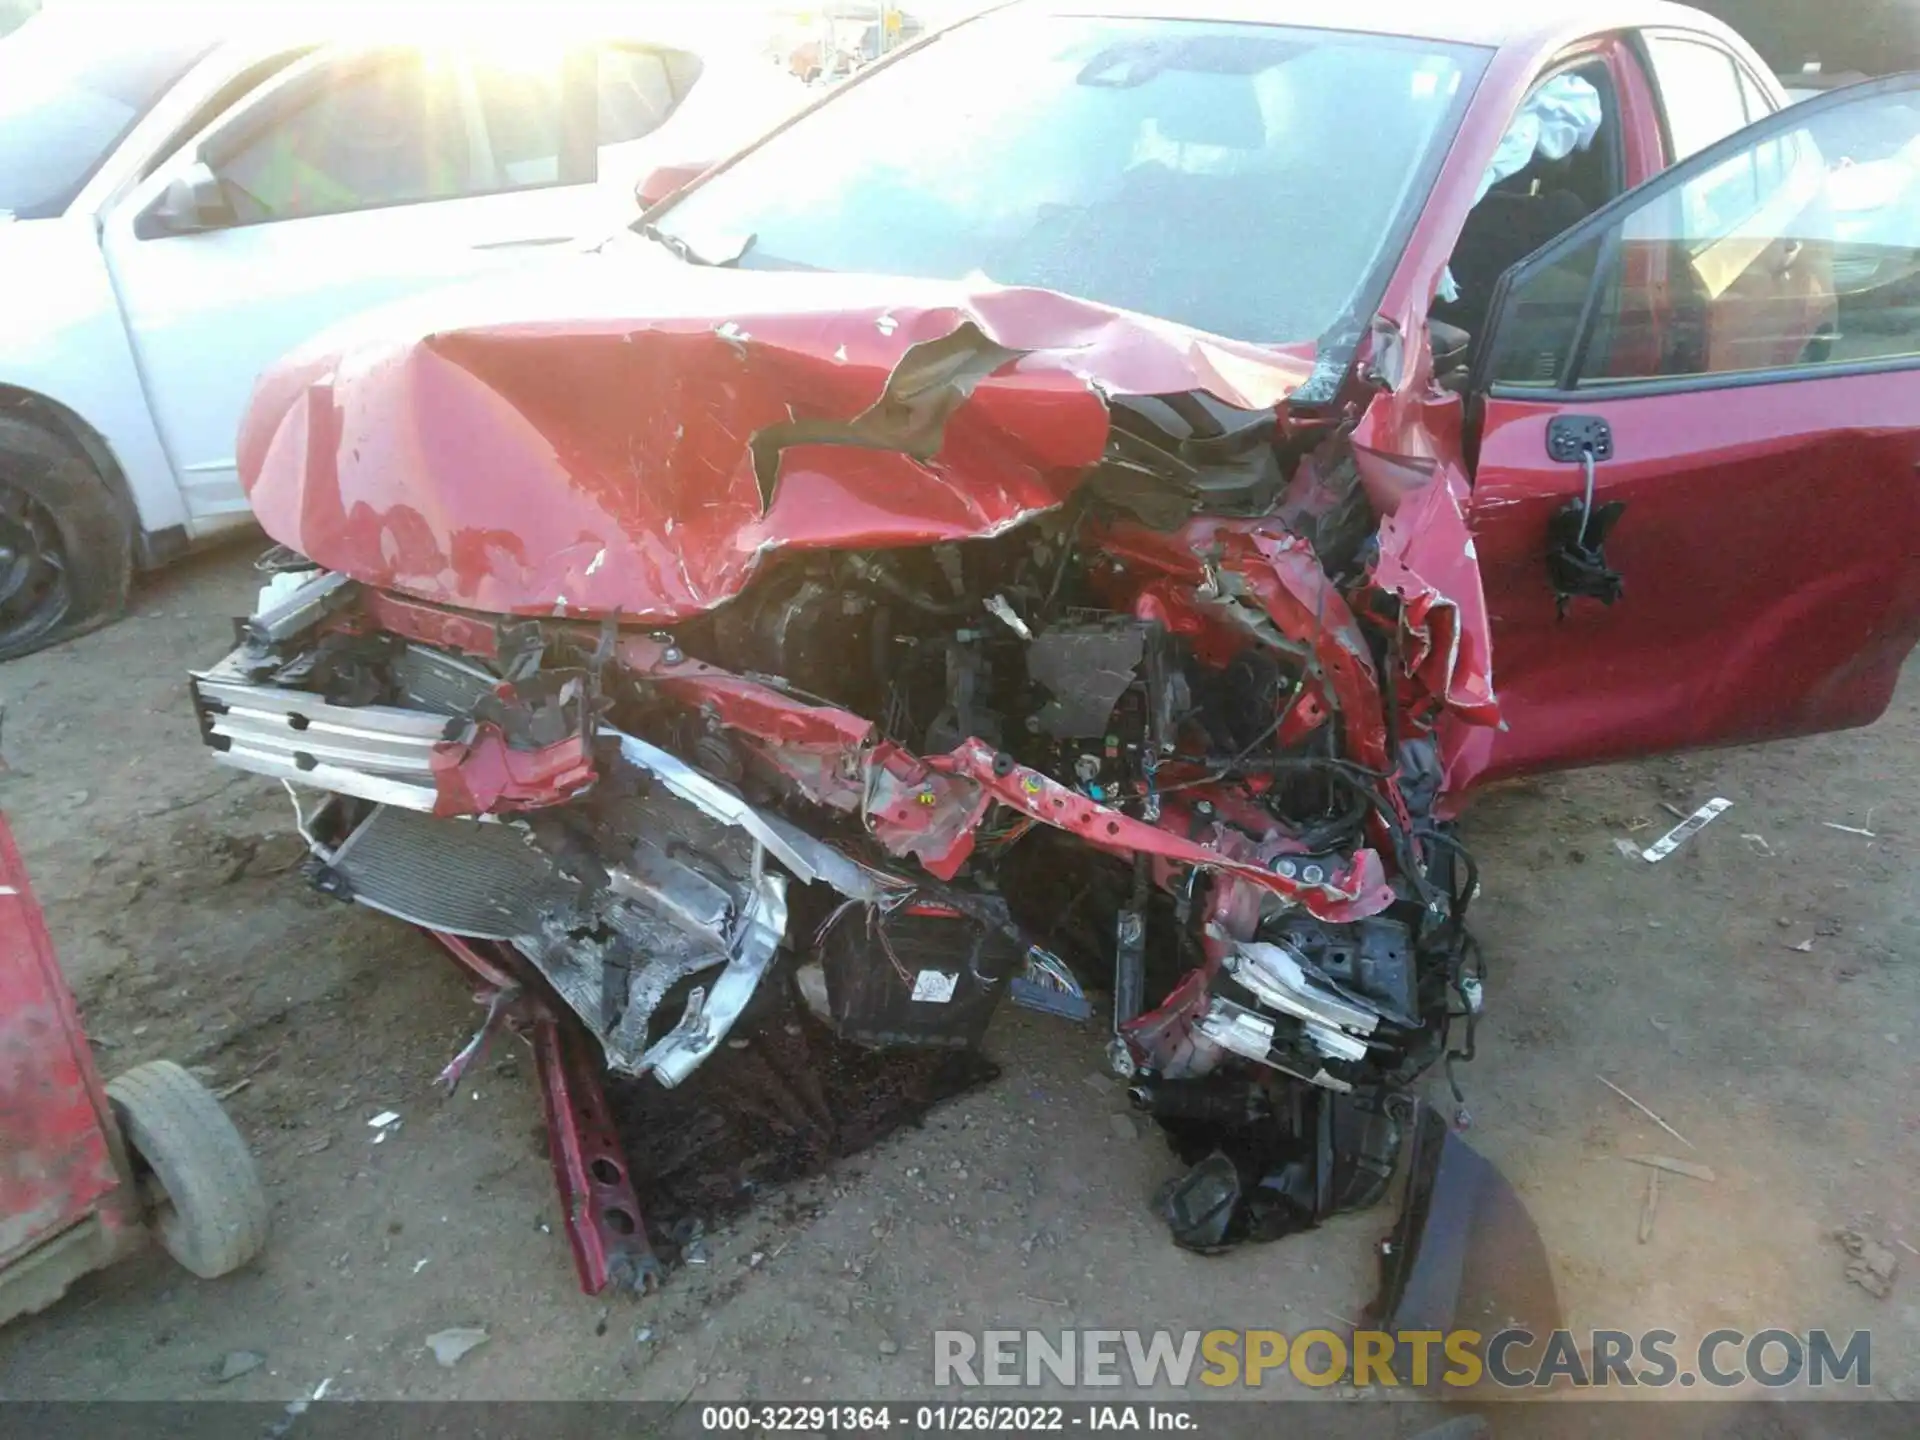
605	1171
1113	827
620	1221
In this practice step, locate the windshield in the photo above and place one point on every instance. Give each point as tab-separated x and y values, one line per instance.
1250	180
68	93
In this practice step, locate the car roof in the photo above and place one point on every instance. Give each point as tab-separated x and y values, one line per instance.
1492	24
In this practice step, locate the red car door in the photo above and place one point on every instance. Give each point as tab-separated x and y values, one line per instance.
1697	481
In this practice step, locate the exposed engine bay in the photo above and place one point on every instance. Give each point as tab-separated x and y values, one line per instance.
1129	786
1078	669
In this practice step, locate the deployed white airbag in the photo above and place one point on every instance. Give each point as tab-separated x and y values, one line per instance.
1560	117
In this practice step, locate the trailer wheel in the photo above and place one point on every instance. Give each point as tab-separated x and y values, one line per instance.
207	1207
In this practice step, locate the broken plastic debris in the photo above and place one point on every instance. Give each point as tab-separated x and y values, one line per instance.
1032	995
1686	830
384	1119
235	1364
1627	848
1848	829
449	1345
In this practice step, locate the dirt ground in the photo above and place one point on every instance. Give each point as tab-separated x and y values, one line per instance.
1759	990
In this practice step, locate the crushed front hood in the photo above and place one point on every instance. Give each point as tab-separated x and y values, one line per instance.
617	432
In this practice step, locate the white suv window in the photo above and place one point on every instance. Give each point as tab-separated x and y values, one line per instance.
390	133
636	93
523	106
1759	103
1699	90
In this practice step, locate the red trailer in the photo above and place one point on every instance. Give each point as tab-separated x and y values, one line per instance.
88	1170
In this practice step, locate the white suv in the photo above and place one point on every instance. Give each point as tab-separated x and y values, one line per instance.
178	207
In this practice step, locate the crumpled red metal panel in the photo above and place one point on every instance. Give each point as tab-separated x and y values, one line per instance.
1406	447
1358	891
601	457
1234	582
1426	557
485	775
55	1161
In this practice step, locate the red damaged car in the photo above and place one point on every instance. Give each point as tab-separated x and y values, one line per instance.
1085	503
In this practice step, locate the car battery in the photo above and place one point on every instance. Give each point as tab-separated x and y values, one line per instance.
923	973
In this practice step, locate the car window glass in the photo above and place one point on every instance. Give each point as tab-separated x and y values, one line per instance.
68	95
390	133
684	69
224	99
1800	249
522	107
635	93
1700	92
1759	103
1169	166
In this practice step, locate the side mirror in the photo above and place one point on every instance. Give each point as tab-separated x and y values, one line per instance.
666	179
193	202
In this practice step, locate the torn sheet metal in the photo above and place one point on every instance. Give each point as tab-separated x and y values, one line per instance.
799	852
929	808
1426	556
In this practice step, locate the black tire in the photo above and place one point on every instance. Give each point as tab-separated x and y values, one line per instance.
66	543
210	1213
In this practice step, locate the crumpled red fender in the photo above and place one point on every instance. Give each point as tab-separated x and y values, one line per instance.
1426	557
